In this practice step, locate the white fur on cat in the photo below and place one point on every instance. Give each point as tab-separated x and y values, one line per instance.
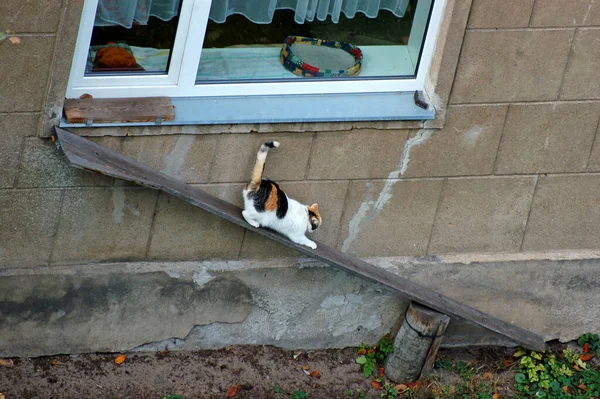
294	225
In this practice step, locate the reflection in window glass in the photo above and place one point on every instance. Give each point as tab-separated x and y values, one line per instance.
244	43
132	36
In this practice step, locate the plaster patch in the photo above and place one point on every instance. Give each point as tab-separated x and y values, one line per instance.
202	277
118	199
355	222
176	157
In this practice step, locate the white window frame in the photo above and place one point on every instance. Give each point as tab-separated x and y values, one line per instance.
181	78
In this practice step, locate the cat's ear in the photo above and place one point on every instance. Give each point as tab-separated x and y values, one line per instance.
314	207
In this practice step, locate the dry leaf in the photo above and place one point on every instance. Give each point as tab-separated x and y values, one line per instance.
232	391
401	388
2	396
496	395
415	384
85	96
306	367
565	389
54	363
7	363
507	363
488	376
586	348
120	359
362	351
586	357
15	40
315	374
381	371
376	384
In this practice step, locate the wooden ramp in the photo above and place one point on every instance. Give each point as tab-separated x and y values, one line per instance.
85	154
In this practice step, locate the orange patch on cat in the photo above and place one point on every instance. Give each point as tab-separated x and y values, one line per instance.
315	209
271	204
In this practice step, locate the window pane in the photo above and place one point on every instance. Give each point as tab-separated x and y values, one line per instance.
132	36
245	43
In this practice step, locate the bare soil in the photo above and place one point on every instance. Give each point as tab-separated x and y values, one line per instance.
260	371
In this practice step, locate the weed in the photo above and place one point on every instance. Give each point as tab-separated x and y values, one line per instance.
562	377
172	397
299	395
370	357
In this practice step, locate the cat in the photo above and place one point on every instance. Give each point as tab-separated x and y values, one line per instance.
266	205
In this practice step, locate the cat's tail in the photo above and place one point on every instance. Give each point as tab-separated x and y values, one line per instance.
259	166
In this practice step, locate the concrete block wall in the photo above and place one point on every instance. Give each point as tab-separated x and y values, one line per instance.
511	166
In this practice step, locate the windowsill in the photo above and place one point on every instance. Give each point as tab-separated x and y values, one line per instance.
395	109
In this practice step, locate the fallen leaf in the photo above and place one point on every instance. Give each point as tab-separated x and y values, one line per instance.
507	363
401	388
381	371
306	367
565	389
120	359
488	376
7	363
232	391
586	347
586	357
362	351
315	374
14	40
376	384
2	396
496	395
85	96
54	363
415	384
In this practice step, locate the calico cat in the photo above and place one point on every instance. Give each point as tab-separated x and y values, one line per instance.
266	205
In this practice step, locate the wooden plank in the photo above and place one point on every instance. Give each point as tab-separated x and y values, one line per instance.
85	154
148	109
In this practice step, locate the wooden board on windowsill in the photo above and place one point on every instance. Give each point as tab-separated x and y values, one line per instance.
106	110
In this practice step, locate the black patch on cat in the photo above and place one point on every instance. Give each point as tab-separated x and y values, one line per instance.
270	144
311	213
261	195
282	202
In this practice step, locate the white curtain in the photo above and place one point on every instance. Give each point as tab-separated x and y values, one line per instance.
125	12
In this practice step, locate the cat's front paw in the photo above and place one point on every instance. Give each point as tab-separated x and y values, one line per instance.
311	245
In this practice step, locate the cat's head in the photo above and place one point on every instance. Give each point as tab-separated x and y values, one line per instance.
314	217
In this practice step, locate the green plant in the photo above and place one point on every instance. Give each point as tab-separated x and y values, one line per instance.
371	356
388	391
172	397
592	340
299	395
561	377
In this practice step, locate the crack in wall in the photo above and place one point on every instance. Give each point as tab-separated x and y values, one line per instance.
369	209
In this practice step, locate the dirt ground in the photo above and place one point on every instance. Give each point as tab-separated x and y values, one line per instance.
260	371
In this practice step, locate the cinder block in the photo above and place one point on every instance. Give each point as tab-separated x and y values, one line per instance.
556	13
565	214
29	17
183	231
356	154
330	197
27	223
482	215
236	154
100	224
42	165
505	66
13	128
546	138
466	146
185	157
582	78
500	13
25	68
389	218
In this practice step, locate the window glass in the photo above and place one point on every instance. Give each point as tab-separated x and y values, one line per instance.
132	36
245	43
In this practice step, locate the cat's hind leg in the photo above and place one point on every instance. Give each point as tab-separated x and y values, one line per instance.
251	221
302	240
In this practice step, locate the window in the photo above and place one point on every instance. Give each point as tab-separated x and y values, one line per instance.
220	60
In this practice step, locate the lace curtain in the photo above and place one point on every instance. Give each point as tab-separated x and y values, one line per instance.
125	12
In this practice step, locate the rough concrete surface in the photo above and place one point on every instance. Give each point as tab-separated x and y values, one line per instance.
287	303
